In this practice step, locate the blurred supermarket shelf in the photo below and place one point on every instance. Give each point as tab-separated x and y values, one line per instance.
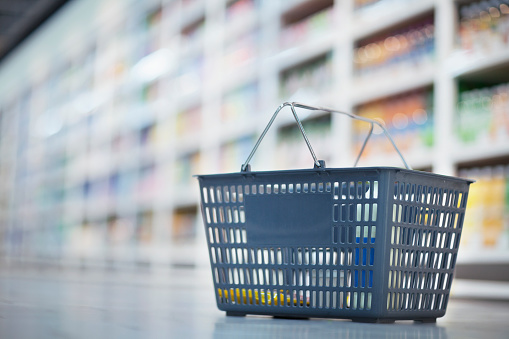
98	144
384	15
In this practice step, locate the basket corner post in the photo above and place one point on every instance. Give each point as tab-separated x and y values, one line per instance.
382	261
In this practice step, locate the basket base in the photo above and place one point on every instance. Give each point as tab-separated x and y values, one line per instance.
426	320
373	320
295	317
241	314
235	314
357	320
391	321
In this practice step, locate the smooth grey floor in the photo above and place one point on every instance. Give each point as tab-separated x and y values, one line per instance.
179	303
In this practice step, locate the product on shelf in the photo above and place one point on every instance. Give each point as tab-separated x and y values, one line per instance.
313	76
86	239
188	121
242	50
153	18
483	114
183	224
126	183
149	91
486	224
402	48
120	230
484	26
240	102
190	75
292	151
97	189
311	26
365	3
408	118
147	135
122	143
147	181
234	153
153	30
144	227
185	167
237	9
193	32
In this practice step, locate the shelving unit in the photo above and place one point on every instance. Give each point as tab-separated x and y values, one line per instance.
99	142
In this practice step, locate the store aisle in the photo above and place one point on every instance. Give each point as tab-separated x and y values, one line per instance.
179	303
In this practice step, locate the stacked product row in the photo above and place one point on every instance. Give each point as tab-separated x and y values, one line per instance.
483	114
487	218
484	26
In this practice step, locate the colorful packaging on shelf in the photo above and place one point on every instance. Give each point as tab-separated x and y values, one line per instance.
240	102
311	26
486	222
239	8
314	76
188	121
407	117
292	152
242	50
484	26
234	152
483	114
412	46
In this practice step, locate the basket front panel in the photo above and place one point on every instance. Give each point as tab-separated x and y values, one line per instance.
302	244
425	220
288	219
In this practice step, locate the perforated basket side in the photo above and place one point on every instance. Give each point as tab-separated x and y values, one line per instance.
424	229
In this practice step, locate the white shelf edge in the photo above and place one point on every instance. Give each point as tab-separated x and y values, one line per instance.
288	58
416	159
239	26
496	290
480	151
187	144
370	21
482	255
187	195
235	130
290	5
463	63
387	84
240	75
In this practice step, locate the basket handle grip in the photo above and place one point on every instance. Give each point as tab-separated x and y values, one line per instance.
319	163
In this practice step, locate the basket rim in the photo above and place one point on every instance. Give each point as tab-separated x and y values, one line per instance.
332	169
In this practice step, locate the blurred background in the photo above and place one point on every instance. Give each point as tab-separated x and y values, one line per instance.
110	107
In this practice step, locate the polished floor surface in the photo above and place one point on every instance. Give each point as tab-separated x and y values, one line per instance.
179	303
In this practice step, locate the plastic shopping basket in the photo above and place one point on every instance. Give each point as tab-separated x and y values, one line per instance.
373	244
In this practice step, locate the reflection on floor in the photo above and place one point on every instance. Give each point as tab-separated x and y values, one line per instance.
179	303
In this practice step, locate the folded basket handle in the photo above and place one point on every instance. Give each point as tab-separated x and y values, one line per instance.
319	163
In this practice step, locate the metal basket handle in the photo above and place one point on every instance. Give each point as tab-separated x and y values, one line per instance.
319	163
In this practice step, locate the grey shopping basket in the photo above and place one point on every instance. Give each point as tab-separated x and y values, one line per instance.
373	244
